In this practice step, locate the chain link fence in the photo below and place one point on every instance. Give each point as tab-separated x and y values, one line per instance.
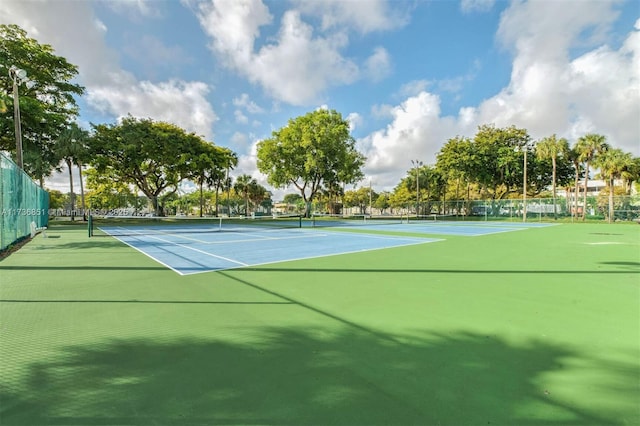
22	203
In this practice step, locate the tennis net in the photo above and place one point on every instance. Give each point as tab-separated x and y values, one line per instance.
434	217
140	226
332	220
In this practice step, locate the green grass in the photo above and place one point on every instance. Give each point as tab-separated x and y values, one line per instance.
535	327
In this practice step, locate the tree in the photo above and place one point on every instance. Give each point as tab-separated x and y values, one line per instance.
574	157
612	164
259	195
223	182
104	192
588	148
72	149
56	199
153	156
243	187
499	158
311	151
457	160
552	148
209	168
360	198
631	173
401	197
382	201
493	160
45	108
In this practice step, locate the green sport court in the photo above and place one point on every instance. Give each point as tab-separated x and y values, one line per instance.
536	326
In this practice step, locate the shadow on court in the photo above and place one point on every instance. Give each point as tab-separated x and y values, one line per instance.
301	377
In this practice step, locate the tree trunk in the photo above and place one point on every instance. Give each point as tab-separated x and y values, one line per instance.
155	205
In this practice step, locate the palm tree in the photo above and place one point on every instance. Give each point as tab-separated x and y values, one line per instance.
243	186
574	158
589	147
631	174
552	148
71	148
612	164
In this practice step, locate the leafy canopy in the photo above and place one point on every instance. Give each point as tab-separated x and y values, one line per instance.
153	156
310	152
46	108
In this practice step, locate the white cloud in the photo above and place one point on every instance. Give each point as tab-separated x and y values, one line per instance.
243	101
354	119
109	88
240	117
416	132
363	16
144	8
468	6
178	102
295	67
378	65
240	140
549	92
413	88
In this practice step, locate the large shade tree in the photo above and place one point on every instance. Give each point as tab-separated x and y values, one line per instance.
499	154
153	156
493	160
457	161
45	108
311	151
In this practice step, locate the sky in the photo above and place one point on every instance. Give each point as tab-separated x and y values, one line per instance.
407	75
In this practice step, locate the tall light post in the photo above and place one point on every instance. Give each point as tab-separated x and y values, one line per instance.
18	76
370	204
417	164
524	186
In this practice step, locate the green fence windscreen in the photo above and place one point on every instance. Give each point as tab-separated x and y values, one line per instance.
22	202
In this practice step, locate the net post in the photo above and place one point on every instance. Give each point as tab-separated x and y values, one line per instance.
90	225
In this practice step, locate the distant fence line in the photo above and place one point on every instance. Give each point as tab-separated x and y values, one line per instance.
625	208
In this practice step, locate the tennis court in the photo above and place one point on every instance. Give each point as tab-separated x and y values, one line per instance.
193	247
538	326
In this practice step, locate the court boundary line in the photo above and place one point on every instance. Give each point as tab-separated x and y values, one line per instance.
424	241
415	241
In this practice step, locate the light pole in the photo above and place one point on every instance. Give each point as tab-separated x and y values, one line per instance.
18	76
417	164
524	187
370	205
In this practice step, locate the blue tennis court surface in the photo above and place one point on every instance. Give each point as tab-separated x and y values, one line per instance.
203	248
468	229
194	251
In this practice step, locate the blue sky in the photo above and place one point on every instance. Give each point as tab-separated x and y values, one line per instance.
408	75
